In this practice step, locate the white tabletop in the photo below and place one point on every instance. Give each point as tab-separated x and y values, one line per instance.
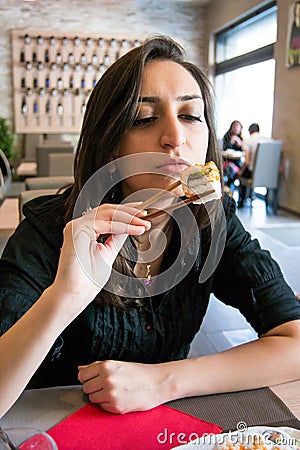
289	393
232	154
43	408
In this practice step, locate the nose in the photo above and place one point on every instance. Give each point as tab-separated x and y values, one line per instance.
173	135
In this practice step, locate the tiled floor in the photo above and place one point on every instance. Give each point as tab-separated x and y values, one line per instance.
223	326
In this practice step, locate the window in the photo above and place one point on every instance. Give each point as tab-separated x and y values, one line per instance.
245	69
249	35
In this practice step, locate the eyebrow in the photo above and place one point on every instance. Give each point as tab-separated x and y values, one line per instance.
182	98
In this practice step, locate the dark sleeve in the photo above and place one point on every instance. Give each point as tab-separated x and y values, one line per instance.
249	279
225	141
27	267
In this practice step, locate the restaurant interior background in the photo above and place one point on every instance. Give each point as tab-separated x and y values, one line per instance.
194	23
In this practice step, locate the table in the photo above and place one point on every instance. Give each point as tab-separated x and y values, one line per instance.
232	154
43	408
289	393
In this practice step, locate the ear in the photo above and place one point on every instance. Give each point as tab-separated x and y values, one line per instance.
112	167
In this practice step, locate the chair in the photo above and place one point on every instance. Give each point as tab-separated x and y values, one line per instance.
5	175
266	171
35	187
60	164
56	182
2	188
42	152
25	196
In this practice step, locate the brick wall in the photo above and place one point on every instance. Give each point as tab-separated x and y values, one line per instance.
182	20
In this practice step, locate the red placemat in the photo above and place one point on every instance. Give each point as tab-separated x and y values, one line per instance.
91	428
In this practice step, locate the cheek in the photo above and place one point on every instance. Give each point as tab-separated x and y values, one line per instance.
135	142
199	148
139	163
125	146
137	183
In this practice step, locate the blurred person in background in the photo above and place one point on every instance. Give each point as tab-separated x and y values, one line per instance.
249	148
232	140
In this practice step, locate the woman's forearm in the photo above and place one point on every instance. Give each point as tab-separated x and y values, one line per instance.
24	346
273	359
84	268
122	387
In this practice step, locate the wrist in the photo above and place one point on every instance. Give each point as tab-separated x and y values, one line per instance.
68	304
173	382
182	379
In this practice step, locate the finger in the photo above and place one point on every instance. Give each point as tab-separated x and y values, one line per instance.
95	259
113	245
128	217
133	204
135	207
106	253
108	401
93	385
118	212
107	406
120	228
100	397
87	372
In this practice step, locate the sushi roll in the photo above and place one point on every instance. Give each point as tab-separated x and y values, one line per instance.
201	179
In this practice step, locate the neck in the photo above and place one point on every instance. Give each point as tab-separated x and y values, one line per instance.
151	247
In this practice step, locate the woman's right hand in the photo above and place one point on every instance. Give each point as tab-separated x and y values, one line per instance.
236	140
85	265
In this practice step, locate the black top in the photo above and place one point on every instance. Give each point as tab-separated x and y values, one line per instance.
228	144
161	330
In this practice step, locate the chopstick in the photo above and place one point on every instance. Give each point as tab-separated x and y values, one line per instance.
178	205
102	237
159	194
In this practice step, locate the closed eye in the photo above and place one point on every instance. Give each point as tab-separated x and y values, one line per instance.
190	118
143	121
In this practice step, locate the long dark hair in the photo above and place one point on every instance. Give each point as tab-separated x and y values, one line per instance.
111	111
229	133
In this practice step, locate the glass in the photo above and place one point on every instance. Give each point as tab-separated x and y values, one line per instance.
251	34
26	439
247	95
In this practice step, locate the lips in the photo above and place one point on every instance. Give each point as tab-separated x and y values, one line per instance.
173	165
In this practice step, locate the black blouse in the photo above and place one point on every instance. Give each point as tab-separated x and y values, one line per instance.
246	277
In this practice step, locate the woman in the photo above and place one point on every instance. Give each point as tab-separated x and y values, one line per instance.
233	137
131	344
232	140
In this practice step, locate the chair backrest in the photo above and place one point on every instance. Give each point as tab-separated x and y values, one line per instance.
25	196
60	164
2	187
4	163
267	164
5	175
42	152
56	182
